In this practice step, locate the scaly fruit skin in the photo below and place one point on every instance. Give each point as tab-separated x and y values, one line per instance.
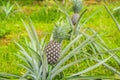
52	51
75	18
77	6
53	48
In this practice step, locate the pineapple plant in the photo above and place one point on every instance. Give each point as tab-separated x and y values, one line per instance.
77	7
36	65
32	53
53	48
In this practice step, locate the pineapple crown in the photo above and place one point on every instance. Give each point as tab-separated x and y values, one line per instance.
60	33
77	6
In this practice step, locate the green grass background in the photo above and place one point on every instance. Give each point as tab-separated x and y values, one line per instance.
44	18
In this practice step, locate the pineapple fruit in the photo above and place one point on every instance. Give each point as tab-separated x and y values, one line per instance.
52	51
77	7
53	48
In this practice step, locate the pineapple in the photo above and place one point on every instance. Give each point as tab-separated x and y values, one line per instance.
77	7
53	48
53	52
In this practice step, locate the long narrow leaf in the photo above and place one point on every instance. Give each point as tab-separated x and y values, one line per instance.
2	74
116	22
86	20
91	77
65	12
73	52
110	53
23	51
108	66
91	68
67	66
69	46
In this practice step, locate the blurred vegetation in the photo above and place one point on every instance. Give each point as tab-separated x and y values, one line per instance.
44	16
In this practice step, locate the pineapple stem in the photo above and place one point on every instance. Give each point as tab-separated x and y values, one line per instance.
74	30
49	72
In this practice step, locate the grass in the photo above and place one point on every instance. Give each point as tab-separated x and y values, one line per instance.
104	25
44	18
